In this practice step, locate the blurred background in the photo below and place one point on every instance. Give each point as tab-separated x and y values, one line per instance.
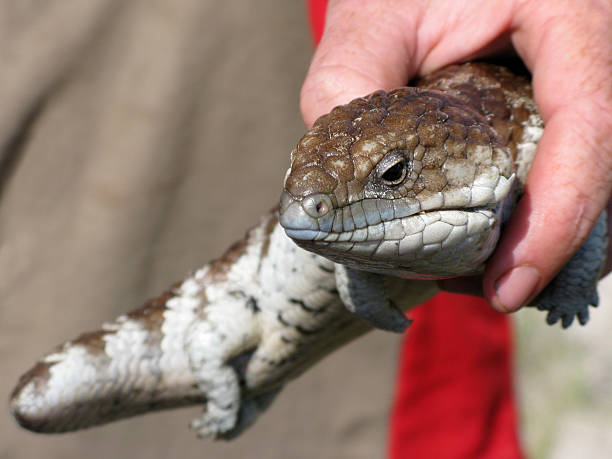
138	140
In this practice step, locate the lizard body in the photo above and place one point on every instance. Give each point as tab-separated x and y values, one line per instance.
371	237
228	337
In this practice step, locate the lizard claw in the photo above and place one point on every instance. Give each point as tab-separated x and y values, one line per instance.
385	316
213	424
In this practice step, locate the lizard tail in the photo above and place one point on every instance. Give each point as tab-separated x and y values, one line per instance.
134	365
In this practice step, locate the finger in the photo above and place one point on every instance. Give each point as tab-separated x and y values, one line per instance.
571	178
363	49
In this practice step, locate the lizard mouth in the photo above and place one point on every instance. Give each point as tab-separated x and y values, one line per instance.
428	245
315	218
436	226
417	239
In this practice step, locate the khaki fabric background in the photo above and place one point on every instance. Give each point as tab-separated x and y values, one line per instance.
138	139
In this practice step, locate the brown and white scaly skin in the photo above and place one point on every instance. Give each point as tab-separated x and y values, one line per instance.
232	334
462	140
228	337
464	136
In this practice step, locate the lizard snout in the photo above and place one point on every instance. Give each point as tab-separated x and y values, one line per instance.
310	218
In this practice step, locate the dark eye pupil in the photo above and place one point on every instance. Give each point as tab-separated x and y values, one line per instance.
395	172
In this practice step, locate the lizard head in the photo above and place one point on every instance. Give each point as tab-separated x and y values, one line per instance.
408	182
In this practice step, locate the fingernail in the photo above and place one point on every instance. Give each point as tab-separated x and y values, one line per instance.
515	288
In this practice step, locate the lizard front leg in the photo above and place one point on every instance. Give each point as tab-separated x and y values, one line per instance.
365	295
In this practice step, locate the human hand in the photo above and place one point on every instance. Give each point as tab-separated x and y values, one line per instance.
567	46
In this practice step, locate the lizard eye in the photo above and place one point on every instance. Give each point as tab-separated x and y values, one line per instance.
395	174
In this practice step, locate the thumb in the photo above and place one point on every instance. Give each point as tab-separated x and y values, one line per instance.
363	49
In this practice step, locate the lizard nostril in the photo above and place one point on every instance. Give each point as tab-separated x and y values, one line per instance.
317	205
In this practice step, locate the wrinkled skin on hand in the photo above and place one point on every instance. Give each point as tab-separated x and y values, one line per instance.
566	45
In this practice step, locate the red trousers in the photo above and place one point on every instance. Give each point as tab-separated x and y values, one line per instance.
454	392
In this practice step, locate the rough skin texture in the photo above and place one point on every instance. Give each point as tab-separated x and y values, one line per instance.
385	194
417	183
462	150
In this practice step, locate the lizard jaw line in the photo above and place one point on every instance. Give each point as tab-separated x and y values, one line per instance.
300	225
329	237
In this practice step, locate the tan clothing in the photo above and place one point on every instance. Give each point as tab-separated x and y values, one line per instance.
139	139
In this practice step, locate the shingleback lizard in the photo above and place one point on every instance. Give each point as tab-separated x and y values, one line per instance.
384	195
